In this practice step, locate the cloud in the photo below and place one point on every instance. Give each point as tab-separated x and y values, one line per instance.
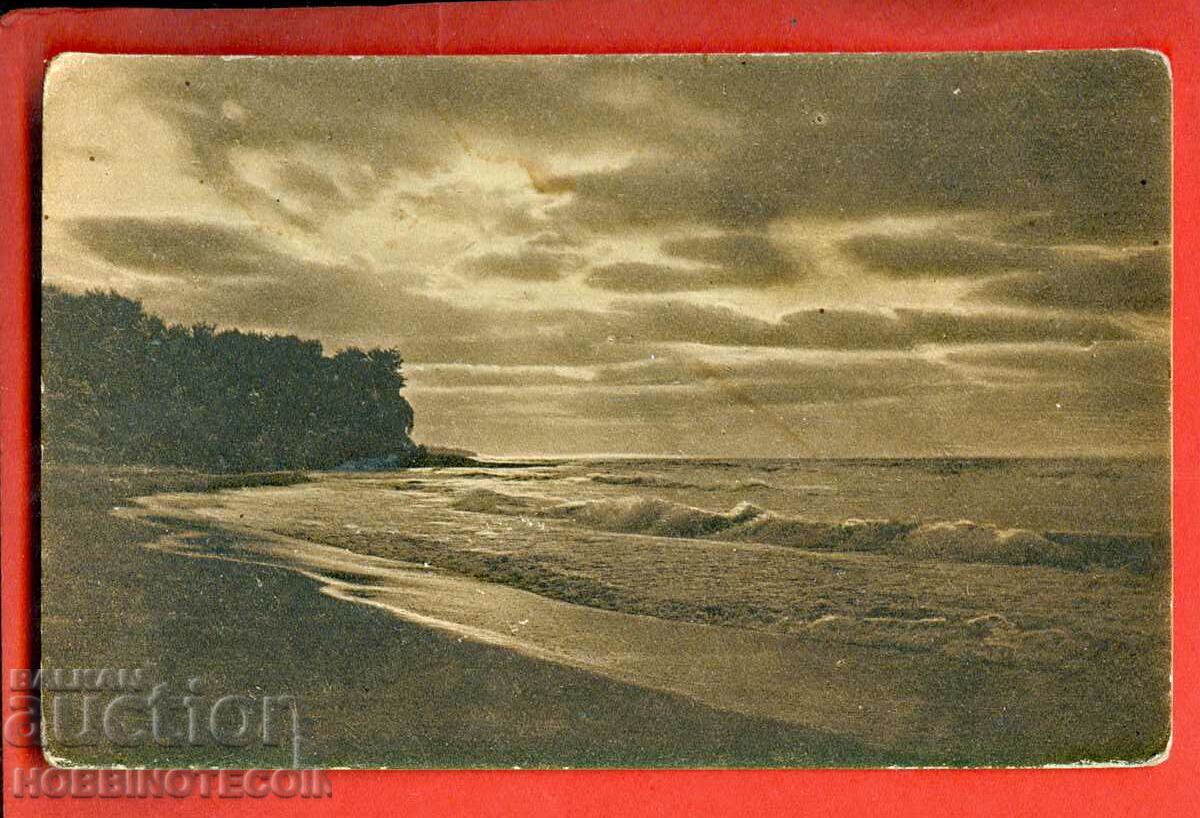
1063	277
314	186
941	255
813	386
890	406
1059	133
233	276
733	261
1118	379
852	329
1128	362
739	259
636	330
1092	222
1133	281
475	376
982	327
188	249
1127	376
684	321
778	379
681	218
395	116
554	241
831	135
527	265
640	277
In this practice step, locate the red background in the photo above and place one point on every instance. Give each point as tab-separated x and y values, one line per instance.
29	38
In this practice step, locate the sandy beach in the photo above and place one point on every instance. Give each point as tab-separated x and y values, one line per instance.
402	663
375	690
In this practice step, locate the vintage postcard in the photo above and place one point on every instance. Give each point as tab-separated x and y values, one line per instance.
606	411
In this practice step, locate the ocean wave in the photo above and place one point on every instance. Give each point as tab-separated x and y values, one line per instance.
953	541
794	532
649	515
486	501
960	541
969	541
525	475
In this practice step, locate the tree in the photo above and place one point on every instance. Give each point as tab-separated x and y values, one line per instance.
120	385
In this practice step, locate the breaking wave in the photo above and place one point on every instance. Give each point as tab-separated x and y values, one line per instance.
648	515
971	542
486	501
958	541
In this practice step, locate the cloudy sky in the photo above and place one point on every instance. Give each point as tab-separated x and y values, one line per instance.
770	255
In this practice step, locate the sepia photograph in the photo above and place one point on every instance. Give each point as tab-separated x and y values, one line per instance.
687	410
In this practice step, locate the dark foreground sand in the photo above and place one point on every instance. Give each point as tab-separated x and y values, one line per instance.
373	690
378	689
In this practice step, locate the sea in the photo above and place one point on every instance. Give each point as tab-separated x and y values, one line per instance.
847	595
1098	495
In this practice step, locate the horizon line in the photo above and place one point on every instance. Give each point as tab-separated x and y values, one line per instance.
1112	455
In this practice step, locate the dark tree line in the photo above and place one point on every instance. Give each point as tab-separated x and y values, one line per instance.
120	385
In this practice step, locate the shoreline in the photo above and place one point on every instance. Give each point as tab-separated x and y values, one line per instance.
832	688
375	691
900	702
842	704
